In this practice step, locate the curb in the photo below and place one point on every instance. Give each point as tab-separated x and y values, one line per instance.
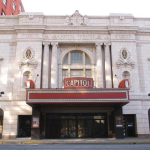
30	143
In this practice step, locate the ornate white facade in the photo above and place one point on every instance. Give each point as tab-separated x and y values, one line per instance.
118	44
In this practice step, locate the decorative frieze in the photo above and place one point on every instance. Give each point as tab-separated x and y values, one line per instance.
123	36
76	37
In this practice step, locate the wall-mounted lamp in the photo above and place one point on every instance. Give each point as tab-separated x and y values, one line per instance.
1	93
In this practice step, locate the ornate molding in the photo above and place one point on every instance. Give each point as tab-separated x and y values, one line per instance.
98	44
28	62
55	44
125	61
77	19
46	43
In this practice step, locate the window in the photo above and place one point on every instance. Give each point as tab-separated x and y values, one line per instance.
79	65
65	74
14	6
87	60
26	76
28	54
20	7
5	2
66	60
126	75
3	13
76	57
88	73
76	73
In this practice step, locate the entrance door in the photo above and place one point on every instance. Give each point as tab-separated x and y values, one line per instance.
76	125
89	128
1	122
24	126
72	128
53	128
129	127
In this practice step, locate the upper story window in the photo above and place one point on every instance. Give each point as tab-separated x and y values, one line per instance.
14	6
65	61
20	7
76	57
76	73
26	76
3	13
87	60
126	75
5	3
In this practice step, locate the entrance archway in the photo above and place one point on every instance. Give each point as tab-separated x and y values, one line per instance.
1	122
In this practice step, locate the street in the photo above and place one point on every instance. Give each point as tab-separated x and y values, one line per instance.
77	147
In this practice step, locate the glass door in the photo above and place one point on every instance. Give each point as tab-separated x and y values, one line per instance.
64	129
81	128
53	128
89	128
72	128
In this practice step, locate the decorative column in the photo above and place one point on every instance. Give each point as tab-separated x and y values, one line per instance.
45	83
99	73
54	66
108	81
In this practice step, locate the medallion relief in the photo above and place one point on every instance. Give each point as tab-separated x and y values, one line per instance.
28	59
125	59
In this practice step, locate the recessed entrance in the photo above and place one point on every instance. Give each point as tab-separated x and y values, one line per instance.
76	125
24	122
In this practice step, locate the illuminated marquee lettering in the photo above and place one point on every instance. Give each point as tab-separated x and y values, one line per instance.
78	82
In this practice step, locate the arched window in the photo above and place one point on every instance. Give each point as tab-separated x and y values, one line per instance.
26	76
65	61
76	57
87	60
79	65
126	75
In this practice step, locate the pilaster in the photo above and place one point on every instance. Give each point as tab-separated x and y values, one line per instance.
46	65
108	79
99	73
54	65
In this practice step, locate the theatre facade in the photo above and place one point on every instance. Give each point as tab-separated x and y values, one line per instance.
74	76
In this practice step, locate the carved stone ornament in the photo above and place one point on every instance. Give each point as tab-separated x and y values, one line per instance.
125	59
28	59
77	19
1	58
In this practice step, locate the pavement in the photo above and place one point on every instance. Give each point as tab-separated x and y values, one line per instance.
77	141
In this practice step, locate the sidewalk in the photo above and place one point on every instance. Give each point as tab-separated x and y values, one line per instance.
77	141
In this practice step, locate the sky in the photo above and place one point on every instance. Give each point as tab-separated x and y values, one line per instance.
138	8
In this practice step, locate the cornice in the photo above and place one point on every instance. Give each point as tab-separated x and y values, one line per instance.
123	28
30	28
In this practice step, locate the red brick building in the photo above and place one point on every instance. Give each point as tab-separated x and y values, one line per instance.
11	7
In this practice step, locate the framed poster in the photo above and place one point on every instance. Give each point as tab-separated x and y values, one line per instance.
119	121
35	122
